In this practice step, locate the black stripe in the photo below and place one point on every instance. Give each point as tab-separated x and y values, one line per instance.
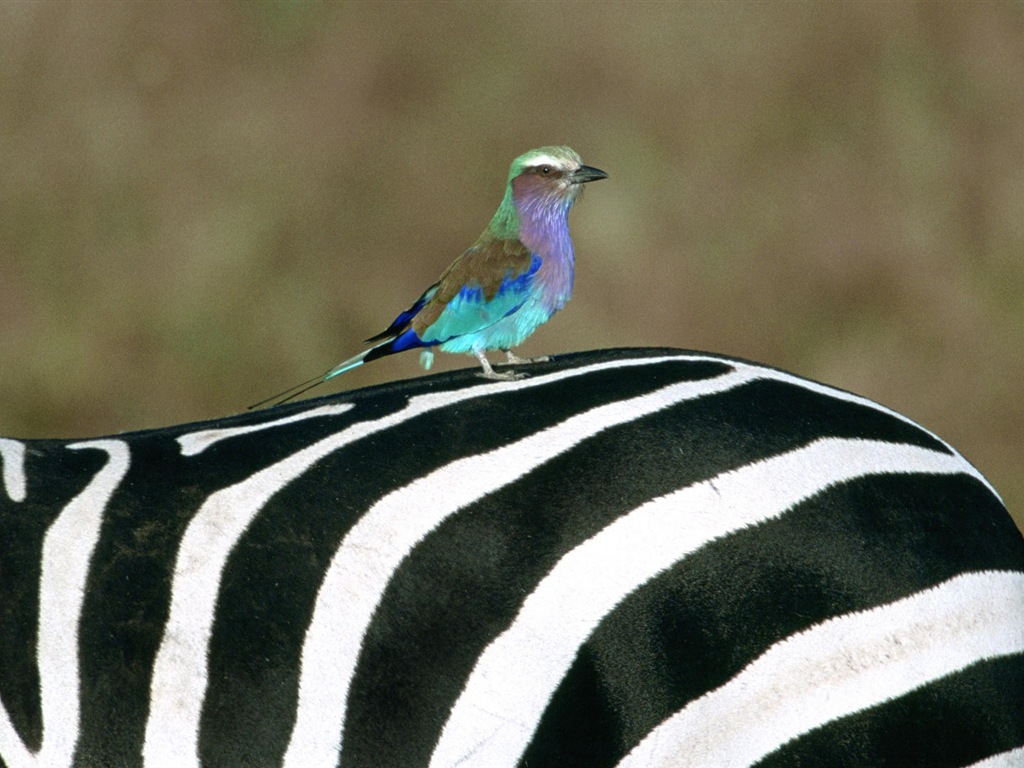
127	598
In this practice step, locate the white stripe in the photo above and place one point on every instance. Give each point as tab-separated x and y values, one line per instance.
67	551
1012	759
197	442
840	667
364	564
498	711
12	457
180	668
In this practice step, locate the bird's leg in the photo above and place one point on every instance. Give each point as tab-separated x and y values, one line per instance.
490	373
513	359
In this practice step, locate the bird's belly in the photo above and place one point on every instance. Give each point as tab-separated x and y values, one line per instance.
508	332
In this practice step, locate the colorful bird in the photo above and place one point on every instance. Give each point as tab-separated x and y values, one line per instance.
511	281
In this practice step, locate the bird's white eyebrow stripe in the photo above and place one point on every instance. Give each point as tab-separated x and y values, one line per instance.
540	160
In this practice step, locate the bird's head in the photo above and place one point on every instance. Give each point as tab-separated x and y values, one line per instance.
542	186
549	176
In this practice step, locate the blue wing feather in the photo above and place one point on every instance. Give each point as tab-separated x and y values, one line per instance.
401	322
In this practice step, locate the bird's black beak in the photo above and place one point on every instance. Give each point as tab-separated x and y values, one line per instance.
585	173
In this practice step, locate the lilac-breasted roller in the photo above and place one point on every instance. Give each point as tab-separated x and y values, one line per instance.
511	281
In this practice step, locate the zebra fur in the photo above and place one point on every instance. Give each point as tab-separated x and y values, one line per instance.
631	558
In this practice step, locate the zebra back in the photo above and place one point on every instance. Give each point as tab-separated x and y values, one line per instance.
630	558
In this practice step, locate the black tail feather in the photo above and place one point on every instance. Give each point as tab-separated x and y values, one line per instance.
292	392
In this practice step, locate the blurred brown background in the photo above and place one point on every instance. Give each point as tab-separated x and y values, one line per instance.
203	203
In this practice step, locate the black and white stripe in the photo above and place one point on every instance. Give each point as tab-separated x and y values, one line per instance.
631	558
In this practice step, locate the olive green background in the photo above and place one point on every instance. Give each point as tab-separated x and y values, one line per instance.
203	203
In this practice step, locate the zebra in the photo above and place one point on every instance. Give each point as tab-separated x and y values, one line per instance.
643	557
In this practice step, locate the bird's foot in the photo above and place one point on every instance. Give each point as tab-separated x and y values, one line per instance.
494	375
513	359
489	373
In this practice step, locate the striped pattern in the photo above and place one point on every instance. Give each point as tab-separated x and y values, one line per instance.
631	558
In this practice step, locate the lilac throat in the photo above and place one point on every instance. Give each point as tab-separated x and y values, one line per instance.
544	229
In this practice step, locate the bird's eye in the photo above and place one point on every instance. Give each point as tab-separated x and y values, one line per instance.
545	169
